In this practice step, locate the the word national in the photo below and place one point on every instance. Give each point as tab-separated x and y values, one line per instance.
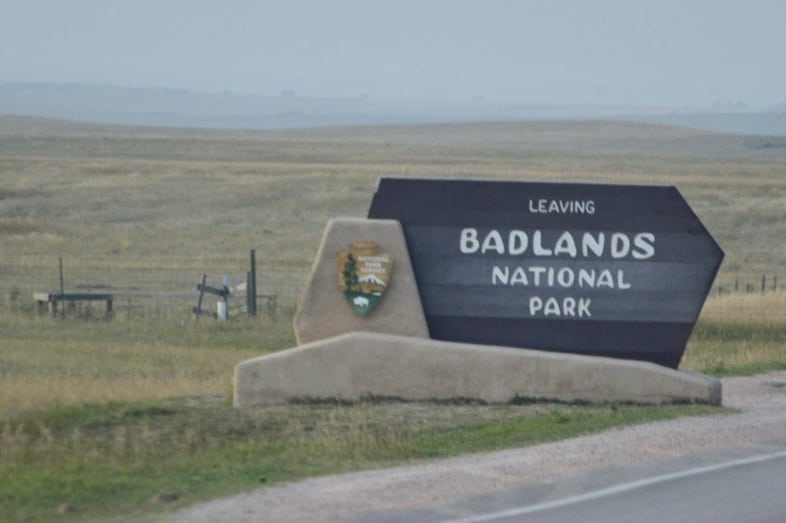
564	277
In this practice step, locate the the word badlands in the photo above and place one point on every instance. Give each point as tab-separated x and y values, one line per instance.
617	245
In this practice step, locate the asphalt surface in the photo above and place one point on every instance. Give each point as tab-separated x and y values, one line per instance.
744	485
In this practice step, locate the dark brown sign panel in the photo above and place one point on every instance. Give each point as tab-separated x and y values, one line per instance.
608	270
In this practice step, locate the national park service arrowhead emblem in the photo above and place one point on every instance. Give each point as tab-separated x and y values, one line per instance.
363	275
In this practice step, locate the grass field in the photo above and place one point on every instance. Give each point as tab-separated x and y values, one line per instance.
115	202
105	415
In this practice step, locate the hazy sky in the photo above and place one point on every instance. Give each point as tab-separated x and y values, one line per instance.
661	52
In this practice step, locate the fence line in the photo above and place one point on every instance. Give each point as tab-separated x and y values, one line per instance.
153	292
765	284
165	290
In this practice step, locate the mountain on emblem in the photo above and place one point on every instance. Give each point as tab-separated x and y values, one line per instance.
363	275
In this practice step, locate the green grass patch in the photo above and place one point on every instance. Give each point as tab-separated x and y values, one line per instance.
553	422
113	459
747	332
722	369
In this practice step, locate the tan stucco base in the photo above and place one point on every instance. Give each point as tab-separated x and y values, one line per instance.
361	364
324	312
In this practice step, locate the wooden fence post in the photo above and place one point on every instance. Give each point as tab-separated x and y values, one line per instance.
251	287
53	304
198	308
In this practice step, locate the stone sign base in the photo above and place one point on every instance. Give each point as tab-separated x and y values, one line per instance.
389	354
324	312
361	365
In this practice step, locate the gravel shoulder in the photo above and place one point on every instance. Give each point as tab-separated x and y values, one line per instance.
761	417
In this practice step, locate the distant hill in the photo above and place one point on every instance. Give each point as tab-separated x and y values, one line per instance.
110	104
62	138
768	122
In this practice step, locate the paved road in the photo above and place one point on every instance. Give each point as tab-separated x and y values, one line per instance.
696	468
739	486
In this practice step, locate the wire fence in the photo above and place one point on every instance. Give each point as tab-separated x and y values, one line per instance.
167	288
764	284
753	286
152	292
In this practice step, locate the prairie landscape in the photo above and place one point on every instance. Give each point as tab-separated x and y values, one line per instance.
123	203
120	410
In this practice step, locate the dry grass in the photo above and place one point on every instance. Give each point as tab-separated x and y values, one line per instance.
746	308
739	334
724	352
42	374
47	363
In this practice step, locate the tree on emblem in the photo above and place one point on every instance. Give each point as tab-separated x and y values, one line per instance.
350	273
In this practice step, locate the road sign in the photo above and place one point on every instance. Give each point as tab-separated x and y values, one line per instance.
608	270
